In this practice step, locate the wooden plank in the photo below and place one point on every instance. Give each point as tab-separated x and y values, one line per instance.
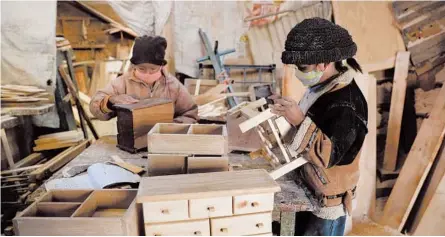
8	153
396	111
432	186
205	185
53	146
205	85
416	167
207	164
59	160
20	169
257	120
29	160
130	167
432	222
426	48
376	42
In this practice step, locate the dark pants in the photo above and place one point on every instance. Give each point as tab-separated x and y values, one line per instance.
307	224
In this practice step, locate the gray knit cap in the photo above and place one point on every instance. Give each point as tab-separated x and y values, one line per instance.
317	40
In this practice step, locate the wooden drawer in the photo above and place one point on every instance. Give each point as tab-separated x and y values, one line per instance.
165	211
210	207
265	234
188	228
242	225
252	203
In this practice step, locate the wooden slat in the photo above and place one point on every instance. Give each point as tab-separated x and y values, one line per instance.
396	111
20	169
206	185
432	223
377	42
416	167
29	160
432	185
7	148
427	48
59	160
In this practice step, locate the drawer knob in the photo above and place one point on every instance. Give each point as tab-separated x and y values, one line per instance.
211	209
197	233
165	211
156	234
259	225
254	204
224	230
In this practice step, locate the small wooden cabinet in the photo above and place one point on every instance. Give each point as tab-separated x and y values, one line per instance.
135	120
81	212
219	203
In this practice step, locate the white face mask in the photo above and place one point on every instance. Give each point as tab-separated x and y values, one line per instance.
308	78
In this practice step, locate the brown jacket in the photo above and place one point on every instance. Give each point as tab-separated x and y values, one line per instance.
186	111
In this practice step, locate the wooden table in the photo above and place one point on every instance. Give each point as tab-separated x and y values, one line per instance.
287	202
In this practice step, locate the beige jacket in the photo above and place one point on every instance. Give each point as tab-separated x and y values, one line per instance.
186	111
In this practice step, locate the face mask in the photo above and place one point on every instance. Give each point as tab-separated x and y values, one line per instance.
308	78
147	77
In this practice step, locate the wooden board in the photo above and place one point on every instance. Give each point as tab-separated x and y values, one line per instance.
432	223
416	167
248	141
377	43
427	48
396	111
205	85
205	185
207	164
32	159
59	160
432	184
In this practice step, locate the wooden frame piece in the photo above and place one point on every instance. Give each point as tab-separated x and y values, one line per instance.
286	168
396	111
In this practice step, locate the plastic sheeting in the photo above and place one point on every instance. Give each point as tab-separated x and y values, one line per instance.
28	42
28	48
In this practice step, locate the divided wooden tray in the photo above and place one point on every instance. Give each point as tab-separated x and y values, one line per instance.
196	139
81	212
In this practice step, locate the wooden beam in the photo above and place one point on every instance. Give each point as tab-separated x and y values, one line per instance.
20	169
396	111
416	167
29	160
432	186
7	148
59	160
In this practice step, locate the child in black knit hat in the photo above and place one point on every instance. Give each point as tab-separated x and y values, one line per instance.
330	122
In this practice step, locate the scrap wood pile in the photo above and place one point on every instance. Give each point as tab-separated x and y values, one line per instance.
23	96
23	178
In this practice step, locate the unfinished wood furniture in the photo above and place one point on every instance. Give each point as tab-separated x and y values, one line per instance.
271	129
221	203
135	120
81	212
187	148
170	164
196	139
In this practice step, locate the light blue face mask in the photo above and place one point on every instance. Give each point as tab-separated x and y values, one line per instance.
308	78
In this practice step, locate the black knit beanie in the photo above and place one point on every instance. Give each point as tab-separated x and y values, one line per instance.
149	49
317	40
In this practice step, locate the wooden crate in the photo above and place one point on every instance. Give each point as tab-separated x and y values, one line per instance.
81	212
192	139
220	203
135	120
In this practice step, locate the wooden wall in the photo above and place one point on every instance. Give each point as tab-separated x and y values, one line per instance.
87	34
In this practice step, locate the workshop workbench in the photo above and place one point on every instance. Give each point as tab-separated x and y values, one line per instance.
291	199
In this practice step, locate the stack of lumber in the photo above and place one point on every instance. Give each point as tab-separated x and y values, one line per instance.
422	25
416	201
58	140
23	96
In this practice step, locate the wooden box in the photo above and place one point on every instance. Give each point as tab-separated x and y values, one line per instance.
81	212
220	203
191	139
135	120
171	164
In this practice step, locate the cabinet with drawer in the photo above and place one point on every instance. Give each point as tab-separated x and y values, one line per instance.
219	203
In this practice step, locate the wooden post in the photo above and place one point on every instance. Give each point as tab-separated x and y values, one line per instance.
396	111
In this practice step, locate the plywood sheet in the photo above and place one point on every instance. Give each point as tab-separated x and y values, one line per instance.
371	27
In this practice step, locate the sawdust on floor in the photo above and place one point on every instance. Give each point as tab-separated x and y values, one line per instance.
366	227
